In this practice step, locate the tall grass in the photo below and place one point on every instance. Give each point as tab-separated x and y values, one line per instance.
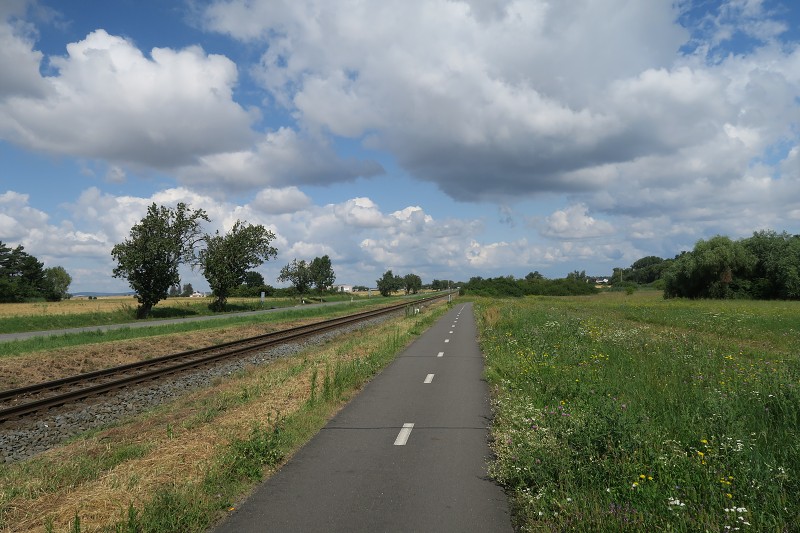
644	414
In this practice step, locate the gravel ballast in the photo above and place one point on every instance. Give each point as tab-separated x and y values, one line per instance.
27	437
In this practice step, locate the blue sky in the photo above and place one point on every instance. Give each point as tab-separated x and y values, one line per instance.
441	137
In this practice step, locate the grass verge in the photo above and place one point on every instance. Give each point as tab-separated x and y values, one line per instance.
38	344
639	414
182	466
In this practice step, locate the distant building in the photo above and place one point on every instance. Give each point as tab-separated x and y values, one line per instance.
343	288
196	294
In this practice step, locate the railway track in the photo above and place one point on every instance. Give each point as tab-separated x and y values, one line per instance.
23	401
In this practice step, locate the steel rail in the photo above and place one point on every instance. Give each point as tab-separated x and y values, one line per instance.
186	360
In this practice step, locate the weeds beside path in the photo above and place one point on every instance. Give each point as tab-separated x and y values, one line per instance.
181	467
638	414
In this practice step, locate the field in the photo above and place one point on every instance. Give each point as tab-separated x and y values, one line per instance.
41	316
633	413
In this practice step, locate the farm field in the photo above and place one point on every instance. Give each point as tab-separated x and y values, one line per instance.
18	317
624	412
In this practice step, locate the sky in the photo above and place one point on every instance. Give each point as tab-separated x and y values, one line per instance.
445	138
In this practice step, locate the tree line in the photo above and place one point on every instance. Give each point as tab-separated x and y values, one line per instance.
390	282
534	283
765	266
23	277
149	259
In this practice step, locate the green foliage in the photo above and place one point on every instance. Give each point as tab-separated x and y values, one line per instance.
604	422
298	274
508	286
777	273
389	283
23	277
188	290
646	270
157	245
412	283
322	275
717	268
57	282
227	258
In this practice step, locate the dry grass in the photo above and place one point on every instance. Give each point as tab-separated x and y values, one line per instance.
26	369
69	307
181	443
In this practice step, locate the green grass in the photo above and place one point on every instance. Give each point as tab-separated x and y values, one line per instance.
635	413
126	312
17	347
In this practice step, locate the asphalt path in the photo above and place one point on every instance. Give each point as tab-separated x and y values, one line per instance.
5	337
409	453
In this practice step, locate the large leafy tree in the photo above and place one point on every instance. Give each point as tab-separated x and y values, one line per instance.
322	275
716	268
157	245
388	283
227	258
57	281
298	274
777	272
412	283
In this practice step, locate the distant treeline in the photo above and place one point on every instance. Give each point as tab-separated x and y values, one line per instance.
765	266
534	283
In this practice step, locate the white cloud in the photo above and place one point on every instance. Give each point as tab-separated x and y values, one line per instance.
505	100
280	201
279	159
574	223
108	100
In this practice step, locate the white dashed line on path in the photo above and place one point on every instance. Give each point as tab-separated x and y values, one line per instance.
428	378
440	354
402	437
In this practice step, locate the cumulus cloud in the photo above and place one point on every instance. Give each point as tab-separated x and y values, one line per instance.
509	99
574	223
279	158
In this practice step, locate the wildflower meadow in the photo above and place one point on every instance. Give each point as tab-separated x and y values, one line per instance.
623	412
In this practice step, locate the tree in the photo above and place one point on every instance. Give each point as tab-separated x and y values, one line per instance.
412	283
321	271
254	280
716	268
777	271
227	258
298	274
647	269
157	245
532	276
57	281
174	291
21	275
188	290
389	283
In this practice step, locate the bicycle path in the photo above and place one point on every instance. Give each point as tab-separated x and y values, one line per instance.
409	453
